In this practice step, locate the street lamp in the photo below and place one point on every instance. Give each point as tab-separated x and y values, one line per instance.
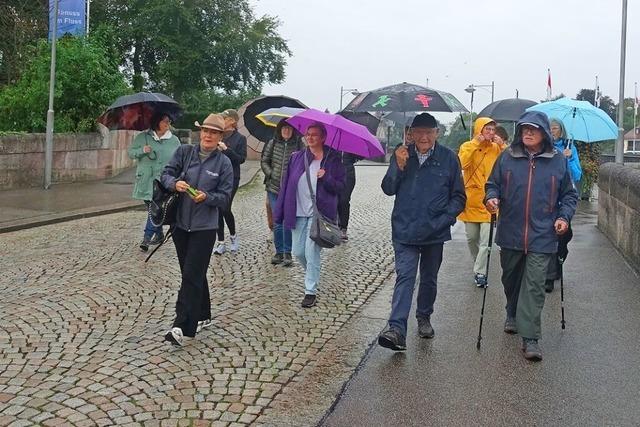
471	89
344	91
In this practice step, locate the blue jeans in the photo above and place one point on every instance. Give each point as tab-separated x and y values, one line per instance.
149	228
307	253
407	258
281	236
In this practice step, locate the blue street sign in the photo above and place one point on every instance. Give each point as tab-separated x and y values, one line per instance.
71	17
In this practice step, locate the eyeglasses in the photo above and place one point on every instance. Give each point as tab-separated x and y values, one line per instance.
529	129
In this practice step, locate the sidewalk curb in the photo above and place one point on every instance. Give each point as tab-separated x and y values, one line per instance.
70	216
47	219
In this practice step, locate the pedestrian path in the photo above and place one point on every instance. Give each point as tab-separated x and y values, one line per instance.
589	375
31	207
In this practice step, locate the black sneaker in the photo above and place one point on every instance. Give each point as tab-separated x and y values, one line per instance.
277	259
510	326
157	238
287	261
392	339
480	280
548	286
425	330
309	301
144	245
531	350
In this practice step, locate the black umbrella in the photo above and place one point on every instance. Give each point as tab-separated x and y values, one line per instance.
506	110
256	132
134	112
367	120
403	119
405	97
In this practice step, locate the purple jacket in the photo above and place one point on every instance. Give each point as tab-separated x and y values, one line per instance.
329	186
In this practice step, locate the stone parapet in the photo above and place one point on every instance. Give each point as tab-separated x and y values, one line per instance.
619	208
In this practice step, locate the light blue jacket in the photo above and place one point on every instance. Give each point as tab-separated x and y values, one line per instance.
574	161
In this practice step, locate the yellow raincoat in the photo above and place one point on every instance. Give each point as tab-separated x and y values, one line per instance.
477	159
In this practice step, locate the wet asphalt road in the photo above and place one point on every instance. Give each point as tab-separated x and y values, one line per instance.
589	375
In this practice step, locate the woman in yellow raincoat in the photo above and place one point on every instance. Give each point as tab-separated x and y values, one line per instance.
477	157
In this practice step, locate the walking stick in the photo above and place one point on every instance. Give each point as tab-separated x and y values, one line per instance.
484	294
562	322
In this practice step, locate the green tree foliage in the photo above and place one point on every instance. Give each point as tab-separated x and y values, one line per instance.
87	81
606	104
199	104
21	23
458	133
186	46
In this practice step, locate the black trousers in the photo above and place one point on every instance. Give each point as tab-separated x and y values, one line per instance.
344	201
194	253
227	216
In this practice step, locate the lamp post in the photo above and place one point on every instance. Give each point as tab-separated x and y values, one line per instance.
344	91
623	48
470	89
48	147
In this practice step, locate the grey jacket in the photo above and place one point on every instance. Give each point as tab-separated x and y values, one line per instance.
533	192
213	176
275	158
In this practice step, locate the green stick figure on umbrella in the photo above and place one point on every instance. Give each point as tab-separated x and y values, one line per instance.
382	101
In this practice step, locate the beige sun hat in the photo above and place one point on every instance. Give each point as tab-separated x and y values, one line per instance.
213	121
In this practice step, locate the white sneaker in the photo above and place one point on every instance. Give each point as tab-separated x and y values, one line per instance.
203	324
220	249
174	336
234	243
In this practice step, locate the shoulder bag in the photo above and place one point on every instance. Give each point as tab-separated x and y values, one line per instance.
324	232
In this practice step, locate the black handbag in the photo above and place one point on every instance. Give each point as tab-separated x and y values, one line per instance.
324	232
163	208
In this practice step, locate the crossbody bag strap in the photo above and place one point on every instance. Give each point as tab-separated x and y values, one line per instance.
185	166
306	171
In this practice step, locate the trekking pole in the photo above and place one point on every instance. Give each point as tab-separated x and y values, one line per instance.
562	322
484	294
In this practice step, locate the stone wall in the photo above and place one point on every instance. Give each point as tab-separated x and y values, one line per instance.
619	208
76	157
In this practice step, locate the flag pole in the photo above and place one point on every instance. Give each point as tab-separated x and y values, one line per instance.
549	93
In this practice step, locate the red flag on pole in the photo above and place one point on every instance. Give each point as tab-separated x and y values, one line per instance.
548	84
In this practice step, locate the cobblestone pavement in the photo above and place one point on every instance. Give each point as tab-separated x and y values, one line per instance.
82	319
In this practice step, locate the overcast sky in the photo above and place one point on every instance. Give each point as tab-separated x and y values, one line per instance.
369	44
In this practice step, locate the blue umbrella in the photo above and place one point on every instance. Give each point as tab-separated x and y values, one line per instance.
583	121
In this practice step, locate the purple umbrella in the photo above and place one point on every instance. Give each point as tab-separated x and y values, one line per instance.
342	134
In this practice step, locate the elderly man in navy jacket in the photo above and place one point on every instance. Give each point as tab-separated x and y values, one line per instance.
427	181
531	183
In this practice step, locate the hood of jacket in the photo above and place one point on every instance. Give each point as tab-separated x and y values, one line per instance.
480	123
537	118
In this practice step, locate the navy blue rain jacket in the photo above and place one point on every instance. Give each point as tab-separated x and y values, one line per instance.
533	192
429	197
213	176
